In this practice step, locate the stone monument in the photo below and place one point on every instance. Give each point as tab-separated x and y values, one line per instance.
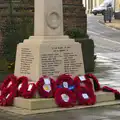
48	52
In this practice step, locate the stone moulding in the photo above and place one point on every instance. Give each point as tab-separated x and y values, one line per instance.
53	20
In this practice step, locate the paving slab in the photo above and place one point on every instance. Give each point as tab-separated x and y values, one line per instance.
20	111
114	24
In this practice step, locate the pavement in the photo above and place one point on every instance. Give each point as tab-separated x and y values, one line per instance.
107	49
114	24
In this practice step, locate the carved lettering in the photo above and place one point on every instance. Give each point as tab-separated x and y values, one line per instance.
60	56
26	61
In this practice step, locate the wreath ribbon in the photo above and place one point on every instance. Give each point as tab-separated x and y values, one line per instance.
30	91
22	84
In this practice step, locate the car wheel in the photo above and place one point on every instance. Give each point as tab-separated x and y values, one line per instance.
95	13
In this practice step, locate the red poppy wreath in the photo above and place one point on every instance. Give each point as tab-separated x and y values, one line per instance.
22	84
30	91
95	81
109	89
65	81
83	81
9	81
65	98
85	96
46	87
6	99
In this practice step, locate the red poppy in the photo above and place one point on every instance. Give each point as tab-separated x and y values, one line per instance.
30	92
85	96
109	89
64	81
2	101
46	87
6	99
95	81
22	84
9	81
83	81
65	98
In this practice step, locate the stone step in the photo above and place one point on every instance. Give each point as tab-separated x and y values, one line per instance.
40	103
104	97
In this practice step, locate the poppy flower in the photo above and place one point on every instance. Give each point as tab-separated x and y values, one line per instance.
46	87
65	98
65	81
85	96
30	91
22	84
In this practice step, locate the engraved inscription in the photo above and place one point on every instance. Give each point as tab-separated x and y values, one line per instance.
50	62
70	63
26	61
60	60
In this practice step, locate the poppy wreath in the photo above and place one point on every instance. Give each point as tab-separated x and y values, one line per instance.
9	81
83	81
22	84
6	99
2	101
65	81
46	87
108	89
85	96
30	91
95	81
65	97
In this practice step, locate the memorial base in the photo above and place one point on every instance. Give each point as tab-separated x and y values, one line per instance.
39	103
48	55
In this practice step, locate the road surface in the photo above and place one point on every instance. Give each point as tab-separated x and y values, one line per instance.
106	39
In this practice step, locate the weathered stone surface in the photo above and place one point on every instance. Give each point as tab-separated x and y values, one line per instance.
40	103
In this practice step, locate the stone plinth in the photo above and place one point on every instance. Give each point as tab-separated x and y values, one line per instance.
39	103
33	104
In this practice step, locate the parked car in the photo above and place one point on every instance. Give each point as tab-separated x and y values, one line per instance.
101	9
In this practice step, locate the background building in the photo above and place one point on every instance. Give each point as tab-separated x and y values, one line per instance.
117	4
90	4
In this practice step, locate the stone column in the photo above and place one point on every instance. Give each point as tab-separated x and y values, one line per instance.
48	18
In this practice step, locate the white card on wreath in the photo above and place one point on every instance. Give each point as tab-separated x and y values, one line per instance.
7	96
47	81
19	87
30	87
65	84
65	97
85	96
10	83
82	78
47	88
